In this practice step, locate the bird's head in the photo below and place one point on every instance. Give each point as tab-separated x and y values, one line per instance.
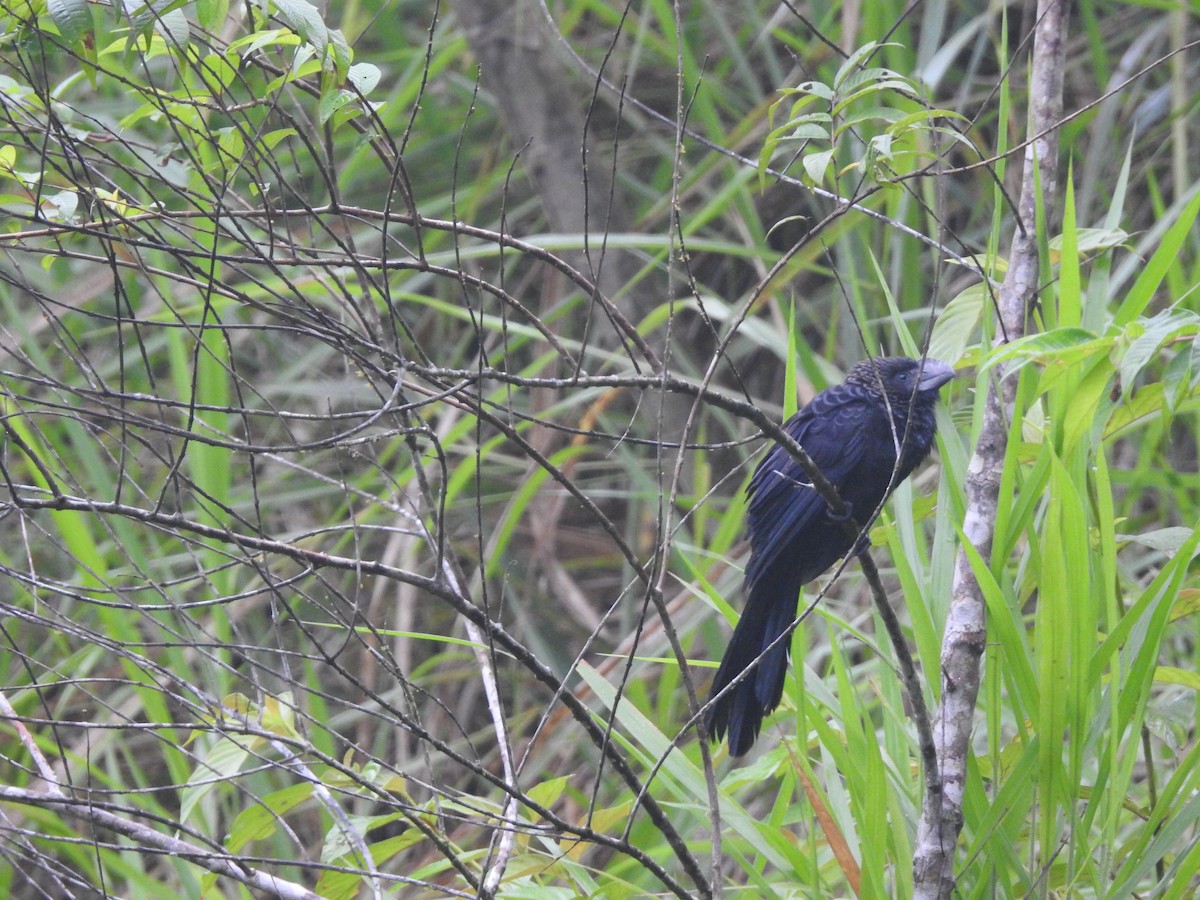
901	377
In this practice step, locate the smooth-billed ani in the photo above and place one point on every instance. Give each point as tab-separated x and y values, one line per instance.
852	431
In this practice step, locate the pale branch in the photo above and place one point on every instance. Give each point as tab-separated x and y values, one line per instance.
148	839
966	629
252	543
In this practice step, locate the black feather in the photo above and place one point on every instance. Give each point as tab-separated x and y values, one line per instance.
852	431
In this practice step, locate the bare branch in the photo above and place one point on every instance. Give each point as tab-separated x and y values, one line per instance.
966	630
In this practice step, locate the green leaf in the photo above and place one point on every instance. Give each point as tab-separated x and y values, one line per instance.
546	793
174	26
331	102
902	87
1089	241
1144	619
851	65
1085	402
260	820
957	322
305	19
1186	604
885	114
275	37
271	138
221	762
364	77
1063	346
816	165
340	54
928	115
807	131
1160	263
1166	326
232	146
1175	675
72	18
164	16
791	401
211	14
216	72
810	90
1067	311
338	842
880	146
59	207
1169	540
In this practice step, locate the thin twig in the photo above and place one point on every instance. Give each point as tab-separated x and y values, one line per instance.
911	680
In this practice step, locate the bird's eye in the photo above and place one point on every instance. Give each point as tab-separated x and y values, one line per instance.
903	376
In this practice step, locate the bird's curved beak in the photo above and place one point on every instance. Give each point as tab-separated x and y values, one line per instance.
934	374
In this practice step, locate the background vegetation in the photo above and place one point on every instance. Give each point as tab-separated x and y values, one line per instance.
379	384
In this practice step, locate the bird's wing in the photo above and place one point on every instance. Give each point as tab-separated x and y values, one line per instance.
785	511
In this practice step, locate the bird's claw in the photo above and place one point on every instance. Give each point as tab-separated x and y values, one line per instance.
863	543
845	516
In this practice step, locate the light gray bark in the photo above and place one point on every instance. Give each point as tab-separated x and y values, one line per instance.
966	629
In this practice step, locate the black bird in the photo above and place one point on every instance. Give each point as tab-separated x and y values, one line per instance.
852	432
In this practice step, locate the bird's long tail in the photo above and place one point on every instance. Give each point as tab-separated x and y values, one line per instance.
769	611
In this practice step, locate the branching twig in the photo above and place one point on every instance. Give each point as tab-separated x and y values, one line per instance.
437	587
149	838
